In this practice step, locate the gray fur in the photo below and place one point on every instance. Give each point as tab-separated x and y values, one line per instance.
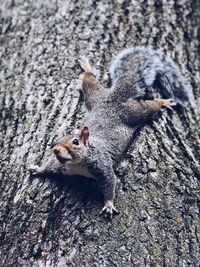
136	69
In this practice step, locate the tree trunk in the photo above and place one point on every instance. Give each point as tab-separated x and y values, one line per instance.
55	221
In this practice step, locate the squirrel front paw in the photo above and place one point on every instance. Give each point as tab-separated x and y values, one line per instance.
109	209
34	170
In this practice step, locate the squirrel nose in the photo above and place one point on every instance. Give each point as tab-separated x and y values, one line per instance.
56	150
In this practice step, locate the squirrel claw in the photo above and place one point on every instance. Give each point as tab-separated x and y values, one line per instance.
34	170
85	65
109	209
168	103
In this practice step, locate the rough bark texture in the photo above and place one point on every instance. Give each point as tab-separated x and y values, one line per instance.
55	222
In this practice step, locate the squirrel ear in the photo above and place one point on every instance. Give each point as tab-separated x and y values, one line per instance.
84	135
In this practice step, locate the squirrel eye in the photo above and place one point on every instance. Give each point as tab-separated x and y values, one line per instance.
75	142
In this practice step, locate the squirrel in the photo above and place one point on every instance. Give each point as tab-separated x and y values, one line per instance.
112	116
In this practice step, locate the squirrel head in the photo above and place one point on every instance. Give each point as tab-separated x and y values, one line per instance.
72	150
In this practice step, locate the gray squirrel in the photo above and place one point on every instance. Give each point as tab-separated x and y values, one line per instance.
112	115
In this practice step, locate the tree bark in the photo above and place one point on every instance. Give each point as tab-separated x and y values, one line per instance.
55	221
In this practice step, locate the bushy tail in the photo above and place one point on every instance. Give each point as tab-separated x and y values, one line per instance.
136	70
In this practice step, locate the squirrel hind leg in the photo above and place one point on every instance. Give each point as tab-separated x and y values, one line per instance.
85	65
